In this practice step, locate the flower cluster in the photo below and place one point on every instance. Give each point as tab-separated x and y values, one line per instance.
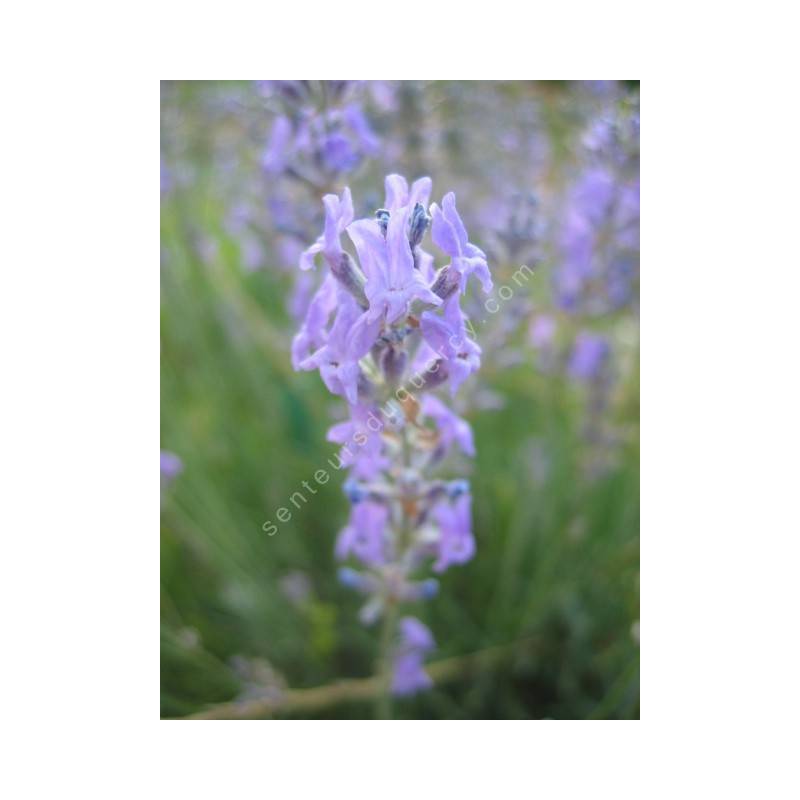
598	241
385	329
596	273
321	132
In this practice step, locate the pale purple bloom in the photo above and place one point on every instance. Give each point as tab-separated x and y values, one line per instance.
599	236
456	544
338	153
589	355
594	193
350	338
392	281
357	121
450	426
365	535
543	331
384	93
338	215
274	158
321	138
398	195
313	332
447	335
171	465
448	233
362	442
416	641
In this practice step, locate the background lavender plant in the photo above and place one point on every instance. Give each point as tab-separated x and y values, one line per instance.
542	622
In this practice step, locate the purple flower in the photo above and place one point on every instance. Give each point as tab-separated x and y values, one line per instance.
450	426
171	466
313	332
398	195
365	535
349	339
338	215
589	355
357	122
408	675
542	331
362	442
456	544
448	233
274	158
392	281
593	194
447	335
339	153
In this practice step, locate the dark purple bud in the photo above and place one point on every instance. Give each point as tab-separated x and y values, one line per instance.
351	277
382	215
420	219
435	375
447	281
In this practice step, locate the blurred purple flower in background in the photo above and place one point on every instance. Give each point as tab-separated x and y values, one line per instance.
589	355
171	467
408	675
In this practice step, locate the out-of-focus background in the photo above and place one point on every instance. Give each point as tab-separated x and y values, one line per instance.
546	174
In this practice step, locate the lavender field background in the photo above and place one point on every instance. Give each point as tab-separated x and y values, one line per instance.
543	622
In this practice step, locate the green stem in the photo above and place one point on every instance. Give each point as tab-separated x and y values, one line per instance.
384	700
384	704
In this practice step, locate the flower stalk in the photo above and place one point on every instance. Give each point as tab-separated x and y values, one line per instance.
384	339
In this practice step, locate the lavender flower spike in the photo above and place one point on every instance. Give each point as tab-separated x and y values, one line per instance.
403	521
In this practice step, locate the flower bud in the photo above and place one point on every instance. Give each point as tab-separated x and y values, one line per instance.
382	215
420	219
447	281
350	276
354	491
434	375
429	588
353	579
456	488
